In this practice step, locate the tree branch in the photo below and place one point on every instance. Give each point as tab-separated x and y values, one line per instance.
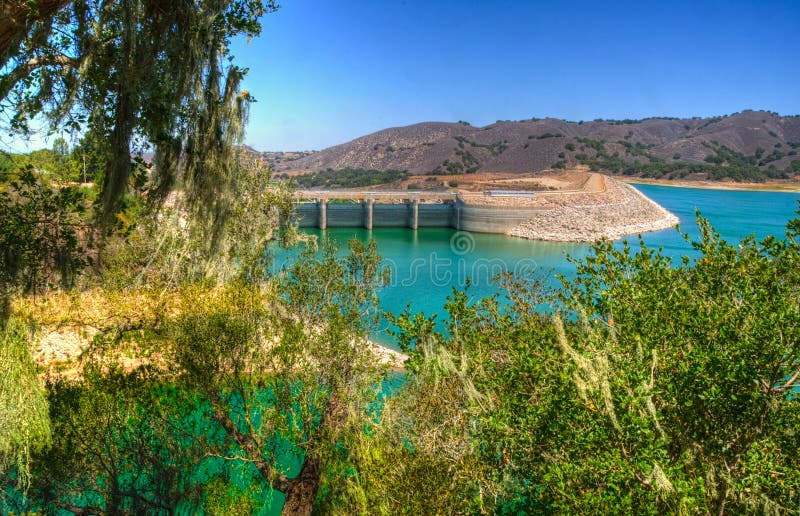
8	81
246	442
790	382
17	17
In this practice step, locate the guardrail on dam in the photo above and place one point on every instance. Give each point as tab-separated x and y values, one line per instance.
402	209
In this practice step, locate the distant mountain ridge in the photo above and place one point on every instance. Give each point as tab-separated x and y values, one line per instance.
751	145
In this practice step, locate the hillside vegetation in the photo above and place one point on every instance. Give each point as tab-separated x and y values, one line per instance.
749	146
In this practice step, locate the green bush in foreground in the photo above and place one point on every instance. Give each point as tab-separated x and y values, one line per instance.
654	388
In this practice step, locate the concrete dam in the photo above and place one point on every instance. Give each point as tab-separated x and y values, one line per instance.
403	209
601	208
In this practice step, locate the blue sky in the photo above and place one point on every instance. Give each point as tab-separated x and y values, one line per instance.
325	72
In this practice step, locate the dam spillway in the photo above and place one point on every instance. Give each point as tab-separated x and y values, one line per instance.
410	213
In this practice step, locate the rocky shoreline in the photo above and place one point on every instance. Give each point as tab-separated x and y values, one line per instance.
614	212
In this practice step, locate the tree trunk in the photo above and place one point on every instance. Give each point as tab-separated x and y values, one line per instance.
302	490
118	169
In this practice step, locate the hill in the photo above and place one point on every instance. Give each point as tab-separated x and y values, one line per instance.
746	146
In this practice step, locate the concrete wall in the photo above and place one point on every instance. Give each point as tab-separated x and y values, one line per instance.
488	220
345	215
391	215
307	214
454	215
436	215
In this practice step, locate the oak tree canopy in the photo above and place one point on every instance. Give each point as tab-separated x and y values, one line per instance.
134	75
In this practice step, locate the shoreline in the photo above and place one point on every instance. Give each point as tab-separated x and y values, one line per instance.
57	351
716	185
618	210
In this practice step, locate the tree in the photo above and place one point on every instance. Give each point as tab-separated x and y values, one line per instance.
123	443
276	368
288	373
38	249
24	423
129	69
17	18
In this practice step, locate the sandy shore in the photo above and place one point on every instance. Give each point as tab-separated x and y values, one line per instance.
717	185
58	351
612	212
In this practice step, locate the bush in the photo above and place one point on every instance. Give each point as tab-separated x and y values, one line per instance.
652	387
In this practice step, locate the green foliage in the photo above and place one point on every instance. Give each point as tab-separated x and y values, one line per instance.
39	246
52	164
654	387
570	146
122	443
349	178
133	74
720	164
638	149
495	149
249	387
773	156
287	372
171	248
545	136
597	145
24	423
229	499
703	377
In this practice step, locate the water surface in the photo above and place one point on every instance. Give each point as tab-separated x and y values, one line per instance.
428	263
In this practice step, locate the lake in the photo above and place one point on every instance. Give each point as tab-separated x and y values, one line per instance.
427	263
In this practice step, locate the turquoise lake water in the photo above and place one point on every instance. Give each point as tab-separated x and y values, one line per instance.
427	263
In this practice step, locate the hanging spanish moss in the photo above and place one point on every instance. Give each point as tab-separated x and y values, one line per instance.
24	422
138	75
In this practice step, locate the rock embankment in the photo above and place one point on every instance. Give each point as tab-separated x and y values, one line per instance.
616	211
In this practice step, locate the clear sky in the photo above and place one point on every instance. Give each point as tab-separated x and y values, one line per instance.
325	72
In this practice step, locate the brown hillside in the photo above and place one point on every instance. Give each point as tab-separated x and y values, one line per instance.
749	143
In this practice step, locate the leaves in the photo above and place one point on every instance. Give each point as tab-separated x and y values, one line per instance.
652	386
39	236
